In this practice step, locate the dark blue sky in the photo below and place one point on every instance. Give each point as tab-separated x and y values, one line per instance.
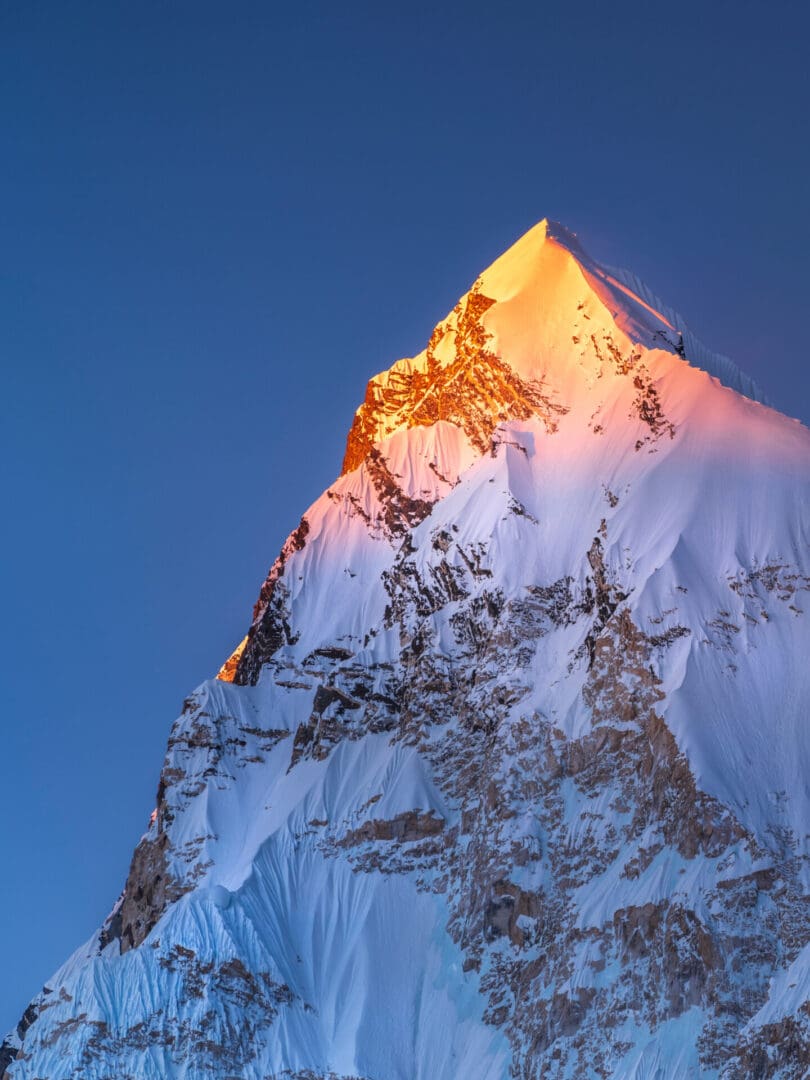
216	221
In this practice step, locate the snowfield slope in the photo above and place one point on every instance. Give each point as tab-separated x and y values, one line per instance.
509	777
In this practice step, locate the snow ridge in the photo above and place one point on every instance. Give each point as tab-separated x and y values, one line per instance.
653	322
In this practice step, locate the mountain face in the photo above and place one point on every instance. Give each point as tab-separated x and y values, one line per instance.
509	777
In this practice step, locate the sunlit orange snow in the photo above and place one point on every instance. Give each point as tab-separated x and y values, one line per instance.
228	670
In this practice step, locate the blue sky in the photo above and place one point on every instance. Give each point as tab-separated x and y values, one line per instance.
216	222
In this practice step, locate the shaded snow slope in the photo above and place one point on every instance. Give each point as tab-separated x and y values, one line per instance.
509	776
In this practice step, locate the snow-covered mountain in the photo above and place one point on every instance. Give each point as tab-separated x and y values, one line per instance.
509	777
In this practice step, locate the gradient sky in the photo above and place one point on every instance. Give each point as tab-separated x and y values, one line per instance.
216	222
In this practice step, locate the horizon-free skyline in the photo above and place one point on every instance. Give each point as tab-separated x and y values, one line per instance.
216	230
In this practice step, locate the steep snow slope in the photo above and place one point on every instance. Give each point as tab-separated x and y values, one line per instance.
509	776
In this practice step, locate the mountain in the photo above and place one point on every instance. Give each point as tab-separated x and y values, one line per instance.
509	777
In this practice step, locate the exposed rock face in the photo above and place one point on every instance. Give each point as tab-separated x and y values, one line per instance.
463	381
508	778
271	626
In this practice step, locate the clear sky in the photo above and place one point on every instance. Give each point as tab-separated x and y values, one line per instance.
216	222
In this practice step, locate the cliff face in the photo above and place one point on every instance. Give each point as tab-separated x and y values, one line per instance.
508	778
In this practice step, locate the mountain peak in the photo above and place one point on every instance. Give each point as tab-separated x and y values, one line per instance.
636	310
511	765
529	338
